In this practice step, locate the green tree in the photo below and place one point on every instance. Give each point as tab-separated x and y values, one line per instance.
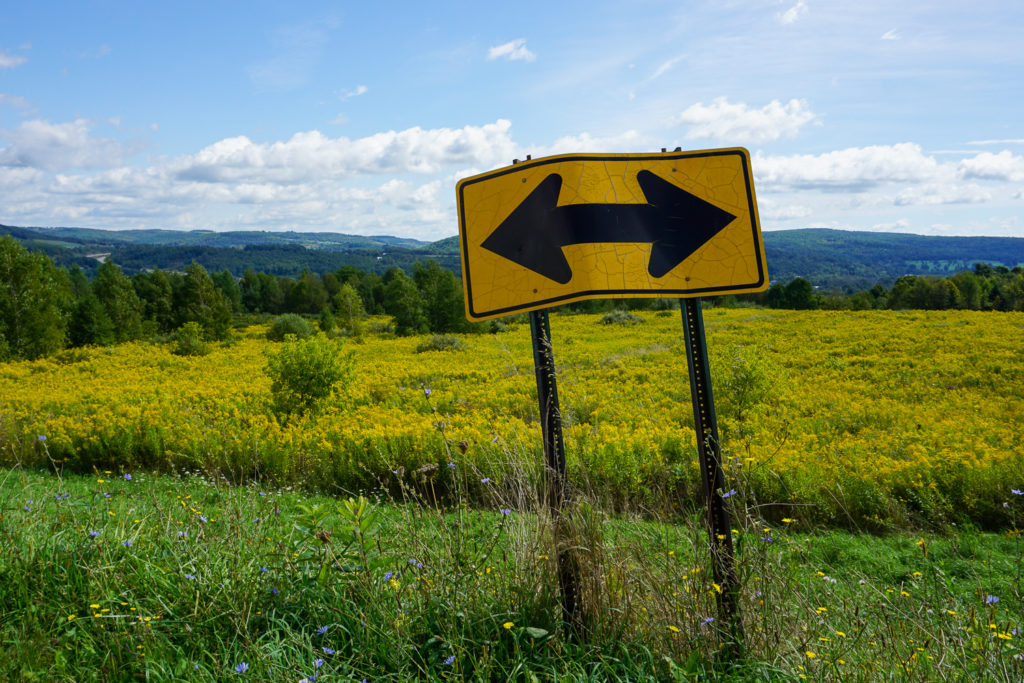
157	295
348	310
124	309
89	323
404	303
34	295
442	297
800	295
198	300
226	283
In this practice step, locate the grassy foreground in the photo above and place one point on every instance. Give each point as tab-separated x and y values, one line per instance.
125	575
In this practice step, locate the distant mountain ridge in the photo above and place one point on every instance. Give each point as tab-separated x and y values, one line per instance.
833	260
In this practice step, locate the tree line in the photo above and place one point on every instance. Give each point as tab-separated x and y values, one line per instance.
985	288
45	307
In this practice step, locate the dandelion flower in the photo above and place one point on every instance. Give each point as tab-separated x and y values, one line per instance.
507	625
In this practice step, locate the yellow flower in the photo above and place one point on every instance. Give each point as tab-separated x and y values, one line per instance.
71	617
786	520
673	629
508	625
810	655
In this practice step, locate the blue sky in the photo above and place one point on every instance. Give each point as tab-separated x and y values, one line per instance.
361	117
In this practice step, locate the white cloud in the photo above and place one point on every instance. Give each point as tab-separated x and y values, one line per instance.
15	101
664	67
855	168
1004	166
929	194
794	13
512	50
891	34
312	154
355	92
9	61
59	146
1010	141
585	142
739	124
771	210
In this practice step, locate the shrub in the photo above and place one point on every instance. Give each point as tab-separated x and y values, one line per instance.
305	372
620	318
188	340
289	323
441	342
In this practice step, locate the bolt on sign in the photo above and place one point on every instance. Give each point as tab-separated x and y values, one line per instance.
583	226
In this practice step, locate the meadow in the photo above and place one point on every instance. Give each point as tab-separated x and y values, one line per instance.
863	420
161	520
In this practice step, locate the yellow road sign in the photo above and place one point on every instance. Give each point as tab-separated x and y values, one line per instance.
585	226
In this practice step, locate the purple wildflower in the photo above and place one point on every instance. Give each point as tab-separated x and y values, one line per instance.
506	511
328	650
127	544
707	621
322	630
388	575
449	661
94	534
1017	492
242	668
318	663
991	599
729	493
127	477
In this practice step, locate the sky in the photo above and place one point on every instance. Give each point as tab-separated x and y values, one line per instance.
361	117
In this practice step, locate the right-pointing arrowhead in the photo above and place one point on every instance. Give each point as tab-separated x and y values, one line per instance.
532	236
685	222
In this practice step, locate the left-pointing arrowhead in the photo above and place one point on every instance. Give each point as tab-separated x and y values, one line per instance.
532	235
686	222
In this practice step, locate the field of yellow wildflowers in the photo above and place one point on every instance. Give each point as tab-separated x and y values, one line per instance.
860	419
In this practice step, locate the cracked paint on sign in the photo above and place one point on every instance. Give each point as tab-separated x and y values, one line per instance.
731	260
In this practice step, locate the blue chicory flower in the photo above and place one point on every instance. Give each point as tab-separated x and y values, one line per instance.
242	668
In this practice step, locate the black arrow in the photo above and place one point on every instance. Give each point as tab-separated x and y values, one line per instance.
675	222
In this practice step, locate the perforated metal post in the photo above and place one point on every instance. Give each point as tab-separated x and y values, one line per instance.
554	457
711	474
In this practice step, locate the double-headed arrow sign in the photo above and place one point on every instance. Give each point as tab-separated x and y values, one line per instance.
549	231
675	222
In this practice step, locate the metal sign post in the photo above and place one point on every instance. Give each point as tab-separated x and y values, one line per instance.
711	474
554	458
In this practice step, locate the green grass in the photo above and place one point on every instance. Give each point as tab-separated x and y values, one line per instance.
217	575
